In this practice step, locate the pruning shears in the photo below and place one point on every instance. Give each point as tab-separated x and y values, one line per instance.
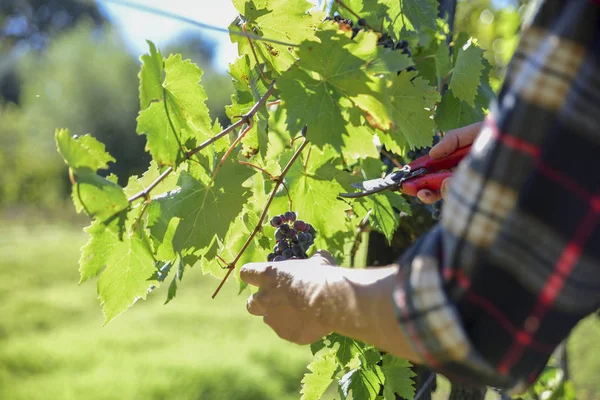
422	173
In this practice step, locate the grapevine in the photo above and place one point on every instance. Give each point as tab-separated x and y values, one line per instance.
322	99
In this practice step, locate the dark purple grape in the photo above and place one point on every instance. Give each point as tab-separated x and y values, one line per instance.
401	44
279	235
276	222
298	252
285	229
282	216
271	256
279	258
290	216
292	233
287	253
299	225
362	22
309	237
355	31
302	237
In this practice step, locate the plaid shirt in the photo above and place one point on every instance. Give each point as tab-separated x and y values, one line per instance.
488	294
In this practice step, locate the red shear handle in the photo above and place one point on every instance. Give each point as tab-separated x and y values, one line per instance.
431	182
437	164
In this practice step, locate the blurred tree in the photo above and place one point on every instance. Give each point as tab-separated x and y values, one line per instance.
27	25
86	81
495	24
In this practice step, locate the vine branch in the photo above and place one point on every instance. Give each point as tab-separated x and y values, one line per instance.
245	119
278	182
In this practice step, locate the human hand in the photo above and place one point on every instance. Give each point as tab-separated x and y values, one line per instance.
451	141
293	295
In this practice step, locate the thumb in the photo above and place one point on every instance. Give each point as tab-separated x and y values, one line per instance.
455	139
257	274
325	255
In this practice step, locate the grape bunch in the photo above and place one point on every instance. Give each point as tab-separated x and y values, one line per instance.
293	237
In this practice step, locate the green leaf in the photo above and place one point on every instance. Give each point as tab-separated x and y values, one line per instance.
315	190
421	13
126	265
413	102
290	21
323	368
203	210
98	197
346	349
434	63
363	383
467	72
398	378
322	95
179	119
359	144
151	76
82	152
137	184
386	206
370	357
249	89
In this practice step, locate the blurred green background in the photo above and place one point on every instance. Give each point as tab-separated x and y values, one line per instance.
64	64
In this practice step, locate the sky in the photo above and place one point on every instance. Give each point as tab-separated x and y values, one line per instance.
138	26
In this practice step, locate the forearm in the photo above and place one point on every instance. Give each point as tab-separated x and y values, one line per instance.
361	307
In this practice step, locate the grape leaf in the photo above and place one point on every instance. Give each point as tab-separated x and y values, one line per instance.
179	119
453	113
370	357
136	184
363	382
249	89
467	72
384	217
315	190
359	144
322	369
315	93
413	102
434	63
151	76
128	266
398	378
83	151
346	347
421	13
204	210
373	11
290	21
99	197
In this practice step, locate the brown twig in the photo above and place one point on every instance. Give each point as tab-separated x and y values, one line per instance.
264	171
441	87
273	103
307	157
230	149
274	178
258	226
341	3
254	53
244	120
362	227
391	158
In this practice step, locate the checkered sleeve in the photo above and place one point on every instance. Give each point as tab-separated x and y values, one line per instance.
487	295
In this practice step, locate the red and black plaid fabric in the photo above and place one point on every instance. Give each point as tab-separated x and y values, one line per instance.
489	293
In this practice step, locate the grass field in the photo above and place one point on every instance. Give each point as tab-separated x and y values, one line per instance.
53	345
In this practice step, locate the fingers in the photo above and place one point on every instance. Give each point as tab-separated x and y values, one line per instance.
257	274
456	139
445	185
428	196
254	304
